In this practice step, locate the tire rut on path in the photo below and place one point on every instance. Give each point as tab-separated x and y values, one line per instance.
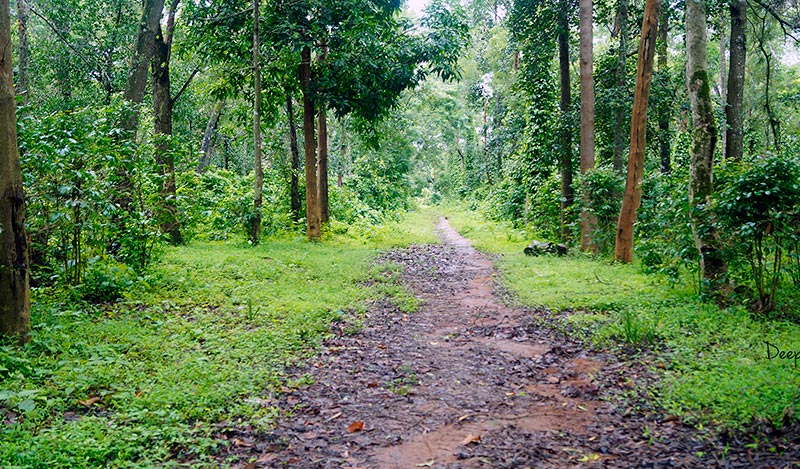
464	382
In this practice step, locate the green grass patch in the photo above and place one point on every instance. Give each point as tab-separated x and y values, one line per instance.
717	367
202	344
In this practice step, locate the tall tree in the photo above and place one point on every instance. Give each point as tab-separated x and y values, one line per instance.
163	103
664	108
734	113
632	199
704	139
313	229
322	151
294	177
565	139
588	221
15	317
149	24
255	227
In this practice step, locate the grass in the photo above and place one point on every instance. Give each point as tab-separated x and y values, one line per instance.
200	346
716	367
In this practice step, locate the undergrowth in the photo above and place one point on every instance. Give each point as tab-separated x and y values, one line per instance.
198	345
718	368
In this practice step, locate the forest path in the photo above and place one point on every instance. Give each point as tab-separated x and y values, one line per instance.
464	382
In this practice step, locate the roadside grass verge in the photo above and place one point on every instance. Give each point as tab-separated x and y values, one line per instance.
198	346
714	363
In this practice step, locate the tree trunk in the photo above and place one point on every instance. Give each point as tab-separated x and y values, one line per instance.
322	161
162	105
294	189
704	139
772	119
23	77
734	115
15	319
309	146
133	95
622	84
149	24
664	109
567	194
208	137
322	156
623	246
588	220
255	227
723	73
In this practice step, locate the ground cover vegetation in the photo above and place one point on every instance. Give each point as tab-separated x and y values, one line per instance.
166	201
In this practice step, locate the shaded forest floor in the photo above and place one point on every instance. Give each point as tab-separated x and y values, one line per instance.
468	381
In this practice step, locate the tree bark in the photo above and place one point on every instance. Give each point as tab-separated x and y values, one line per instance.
207	148
632	199
622	84
15	319
322	162
664	109
313	231
255	227
149	24
588	220
567	194
162	105
704	139
23	77
723	83
294	187
734	115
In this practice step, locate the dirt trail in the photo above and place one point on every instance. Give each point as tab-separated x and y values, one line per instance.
464	382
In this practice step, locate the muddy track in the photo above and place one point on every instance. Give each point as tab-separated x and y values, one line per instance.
468	382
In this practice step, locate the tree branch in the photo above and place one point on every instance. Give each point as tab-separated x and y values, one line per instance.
185	85
783	22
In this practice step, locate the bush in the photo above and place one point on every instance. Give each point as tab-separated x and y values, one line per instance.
759	213
106	281
601	188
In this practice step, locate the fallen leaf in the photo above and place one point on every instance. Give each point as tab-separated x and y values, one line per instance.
427	463
355	427
553	380
470	438
372	384
581	407
381	347
464	417
252	465
334	416
90	402
589	457
239	442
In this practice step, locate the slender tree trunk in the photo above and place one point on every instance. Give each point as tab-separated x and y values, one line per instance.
588	220
255	227
734	114
23	77
774	124
664	109
15	319
162	104
704	139
622	84
567	194
723	73
309	146
623	246
294	189
322	157
207	147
